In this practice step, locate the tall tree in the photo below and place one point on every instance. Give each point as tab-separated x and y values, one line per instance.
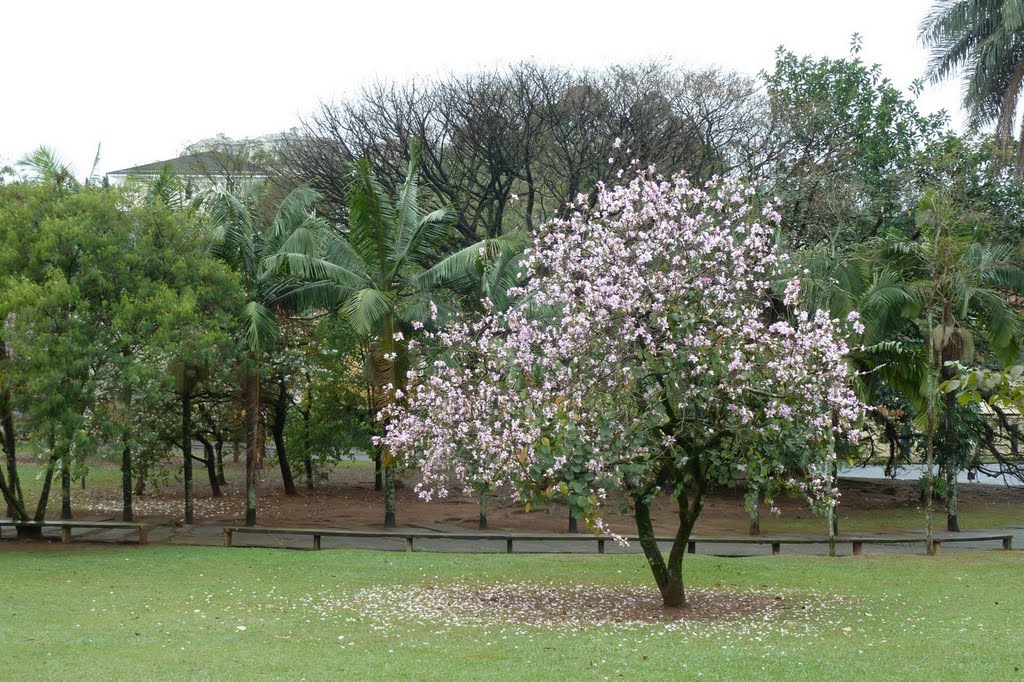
985	40
960	281
656	369
244	238
382	273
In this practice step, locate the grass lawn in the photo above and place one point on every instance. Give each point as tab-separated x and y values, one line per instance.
211	613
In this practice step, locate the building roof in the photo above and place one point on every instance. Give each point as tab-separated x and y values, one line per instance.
201	163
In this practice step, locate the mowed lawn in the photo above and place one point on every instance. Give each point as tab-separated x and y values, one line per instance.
213	613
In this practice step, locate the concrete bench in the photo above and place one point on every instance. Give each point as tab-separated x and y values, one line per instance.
67	526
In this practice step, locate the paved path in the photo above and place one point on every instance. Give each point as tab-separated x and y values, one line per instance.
212	535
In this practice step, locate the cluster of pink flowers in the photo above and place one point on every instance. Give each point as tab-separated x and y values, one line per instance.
645	338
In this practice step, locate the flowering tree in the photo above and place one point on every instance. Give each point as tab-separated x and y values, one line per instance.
645	359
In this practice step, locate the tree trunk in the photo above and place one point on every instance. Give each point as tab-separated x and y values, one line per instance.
13	495
307	457
952	522
12	486
280	417
753	504
389	354
573	524
186	446
378	475
389	497
44	494
65	484
127	513
219	452
929	489
210	462
669	574
253	442
482	525
140	480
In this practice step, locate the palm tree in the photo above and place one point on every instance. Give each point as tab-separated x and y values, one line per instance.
45	167
244	241
959	280
383	272
985	39
844	280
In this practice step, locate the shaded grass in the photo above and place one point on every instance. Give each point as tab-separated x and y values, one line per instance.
179	613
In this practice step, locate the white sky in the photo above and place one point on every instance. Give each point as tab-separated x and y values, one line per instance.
147	78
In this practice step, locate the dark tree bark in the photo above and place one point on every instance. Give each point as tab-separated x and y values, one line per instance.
307	456
186	445
127	513
210	462
44	498
218	448
277	429
484	493
254	440
65	484
669	574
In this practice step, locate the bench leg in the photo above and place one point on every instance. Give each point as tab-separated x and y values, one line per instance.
65	534
691	547
858	548
227	537
1008	542
776	548
937	544
408	544
316	542
600	545
143	536
508	546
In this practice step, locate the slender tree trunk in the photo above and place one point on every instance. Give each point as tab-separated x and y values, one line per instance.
389	353
669	574
44	493
484	492
952	522
929	489
378	473
127	512
218	448
754	511
389	497
307	456
10	486
573	524
280	419
210	462
65	483
140	480
10	446
186	446
254	444
235	452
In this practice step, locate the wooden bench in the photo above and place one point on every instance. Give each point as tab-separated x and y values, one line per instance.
409	538
776	543
66	526
858	543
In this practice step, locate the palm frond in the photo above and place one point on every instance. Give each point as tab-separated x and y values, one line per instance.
258	327
365	308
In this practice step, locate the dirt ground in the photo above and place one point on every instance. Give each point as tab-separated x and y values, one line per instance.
347	499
